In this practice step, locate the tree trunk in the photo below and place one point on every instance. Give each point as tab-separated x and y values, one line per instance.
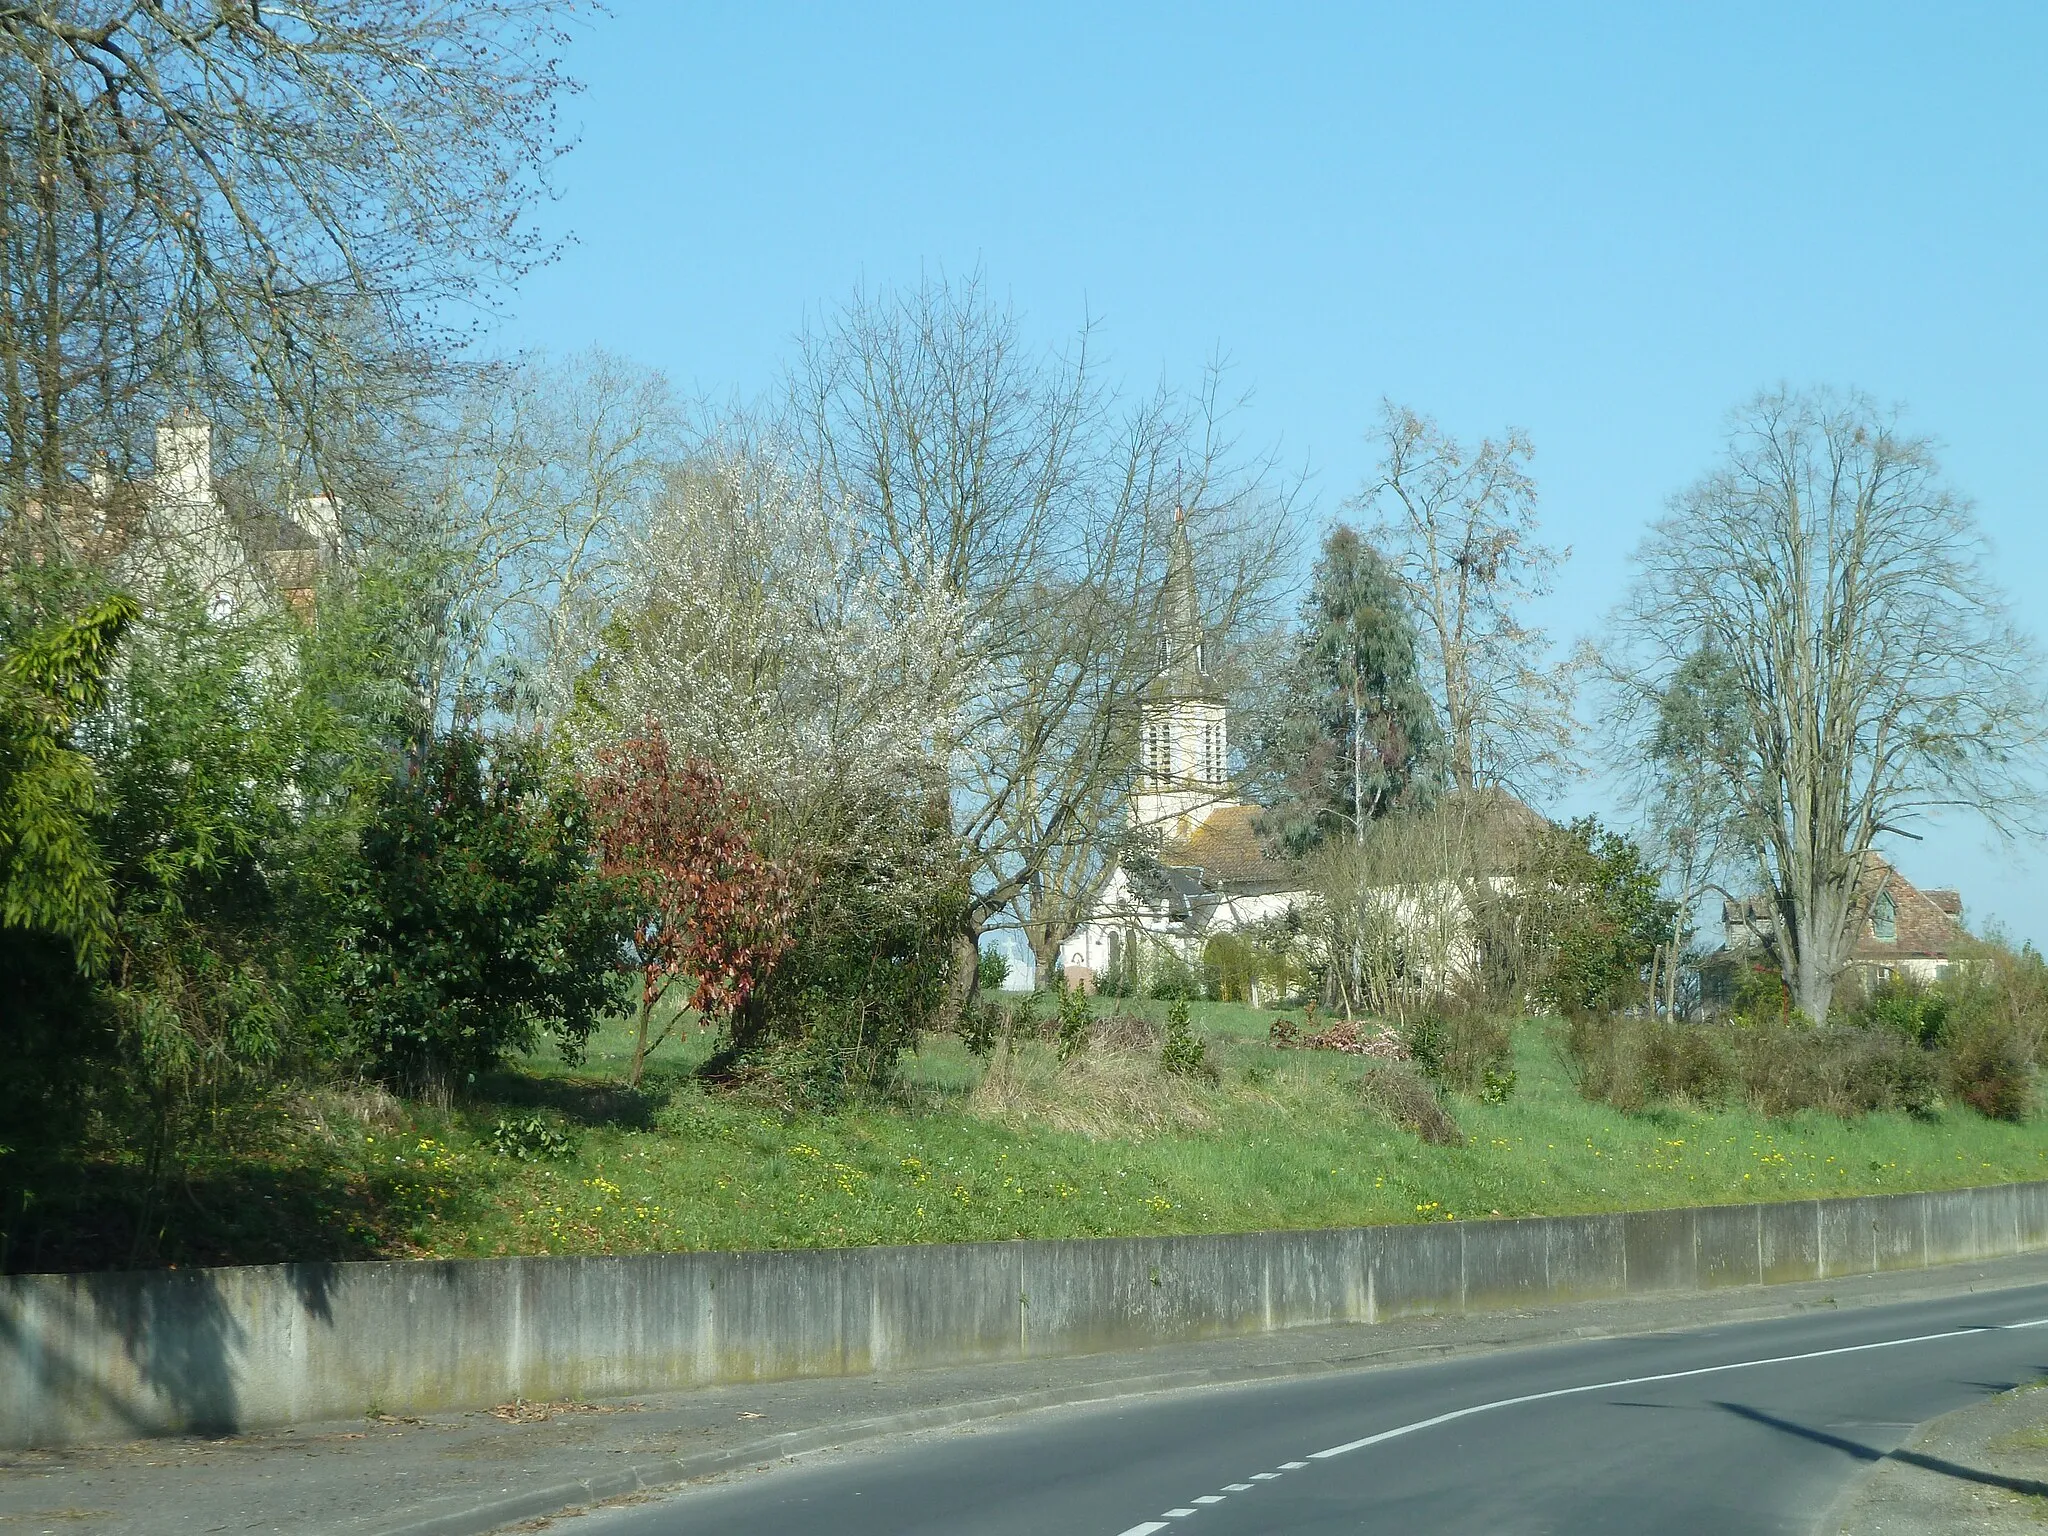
1045	949
963	986
640	1022
1816	920
1357	768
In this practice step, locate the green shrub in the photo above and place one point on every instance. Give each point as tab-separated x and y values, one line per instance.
1918	1012
868	972
1991	1069
1172	976
474	920
1184	1053
1498	1086
991	970
1427	1038
529	1140
1021	1021
1633	1062
1457	1049
981	1026
1840	1069
1075	1020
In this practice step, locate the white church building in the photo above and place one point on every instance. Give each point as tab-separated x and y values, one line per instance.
1209	874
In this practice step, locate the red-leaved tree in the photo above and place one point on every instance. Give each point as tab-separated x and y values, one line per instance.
715	911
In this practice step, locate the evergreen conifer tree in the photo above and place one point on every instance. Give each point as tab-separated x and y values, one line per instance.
1354	735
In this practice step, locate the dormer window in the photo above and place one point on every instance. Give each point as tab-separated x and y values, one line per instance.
1884	919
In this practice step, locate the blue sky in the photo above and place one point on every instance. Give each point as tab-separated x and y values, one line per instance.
1606	225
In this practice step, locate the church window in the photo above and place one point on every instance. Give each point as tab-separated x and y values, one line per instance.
1884	919
1157	751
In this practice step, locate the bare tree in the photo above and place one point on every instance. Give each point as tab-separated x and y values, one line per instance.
528	500
1043	506
274	213
1875	677
1459	527
1675	763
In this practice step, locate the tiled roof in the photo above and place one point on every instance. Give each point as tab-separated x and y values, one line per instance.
1226	848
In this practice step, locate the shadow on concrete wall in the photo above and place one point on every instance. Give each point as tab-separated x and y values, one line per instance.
177	1333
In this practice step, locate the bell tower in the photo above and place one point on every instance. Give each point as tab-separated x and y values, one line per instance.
1183	732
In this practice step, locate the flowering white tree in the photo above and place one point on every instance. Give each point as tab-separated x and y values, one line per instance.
752	632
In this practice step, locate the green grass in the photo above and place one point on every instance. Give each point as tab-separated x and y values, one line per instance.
1281	1139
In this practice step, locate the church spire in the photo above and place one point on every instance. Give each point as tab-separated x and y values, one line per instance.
1184	735
1183	670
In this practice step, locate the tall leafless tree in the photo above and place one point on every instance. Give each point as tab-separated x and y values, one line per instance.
1459	526
1840	588
1042	505
275	213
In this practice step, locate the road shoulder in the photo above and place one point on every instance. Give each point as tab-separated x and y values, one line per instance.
1981	1468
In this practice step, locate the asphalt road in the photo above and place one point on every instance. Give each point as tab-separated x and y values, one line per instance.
1745	1427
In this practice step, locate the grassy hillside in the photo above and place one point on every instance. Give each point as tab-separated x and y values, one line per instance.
560	1160
553	1159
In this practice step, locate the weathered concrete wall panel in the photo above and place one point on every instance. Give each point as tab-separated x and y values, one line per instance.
1789	1242
111	1357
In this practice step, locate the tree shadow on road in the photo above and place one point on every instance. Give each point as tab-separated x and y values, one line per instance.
1910	1457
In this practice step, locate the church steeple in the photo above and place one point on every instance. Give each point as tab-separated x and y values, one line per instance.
1181	661
1184	745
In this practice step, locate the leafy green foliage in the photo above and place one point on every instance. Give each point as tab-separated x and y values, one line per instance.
867	969
1589	904
52	877
992	969
1459	1048
1898	1002
982	1025
475	920
529	1139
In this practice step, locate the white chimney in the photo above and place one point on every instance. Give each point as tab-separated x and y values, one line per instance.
184	460
100	484
319	516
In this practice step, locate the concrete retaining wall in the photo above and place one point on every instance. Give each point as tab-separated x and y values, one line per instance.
110	1357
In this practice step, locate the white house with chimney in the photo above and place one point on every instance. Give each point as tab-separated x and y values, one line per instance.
176	524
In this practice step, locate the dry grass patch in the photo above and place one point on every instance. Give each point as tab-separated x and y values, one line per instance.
1102	1093
1392	1090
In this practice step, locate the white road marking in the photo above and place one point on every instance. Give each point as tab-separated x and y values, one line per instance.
1638	1381
1150	1527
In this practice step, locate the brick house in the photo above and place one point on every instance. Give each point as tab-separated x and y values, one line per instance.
1901	932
